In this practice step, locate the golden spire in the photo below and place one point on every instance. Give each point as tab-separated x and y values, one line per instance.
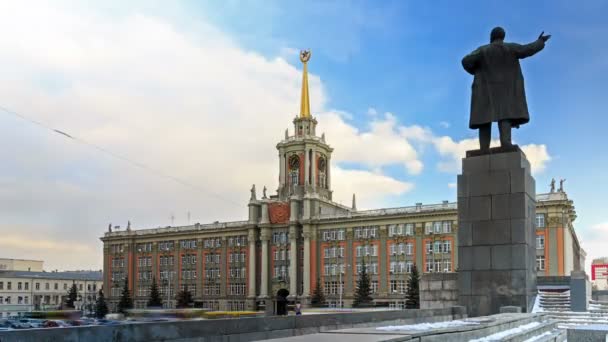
305	101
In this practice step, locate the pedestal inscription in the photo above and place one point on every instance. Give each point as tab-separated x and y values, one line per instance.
496	239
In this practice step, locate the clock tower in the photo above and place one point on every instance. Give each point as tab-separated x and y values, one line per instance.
304	157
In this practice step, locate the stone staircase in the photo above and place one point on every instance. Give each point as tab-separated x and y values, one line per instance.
554	301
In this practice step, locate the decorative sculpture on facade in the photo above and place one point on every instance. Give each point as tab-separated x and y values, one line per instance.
253	196
552	185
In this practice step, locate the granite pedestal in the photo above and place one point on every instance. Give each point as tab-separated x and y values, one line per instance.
496	236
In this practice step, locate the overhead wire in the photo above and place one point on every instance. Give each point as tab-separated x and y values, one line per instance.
140	165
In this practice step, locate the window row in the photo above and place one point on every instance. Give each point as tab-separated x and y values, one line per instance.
368	232
144	261
280	237
166	260
189	259
211	290
398	286
334	235
165	246
333	269
438	247
144	275
189	274
237	257
187	244
20	300
117	248
367	250
237	289
237	241
281	272
213	258
401	267
212	243
118	276
238	272
334	252
281	254
212	273
144	247
402	248
371	268
438	266
438	227
118	262
401	229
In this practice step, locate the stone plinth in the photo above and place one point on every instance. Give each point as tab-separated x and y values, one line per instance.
496	237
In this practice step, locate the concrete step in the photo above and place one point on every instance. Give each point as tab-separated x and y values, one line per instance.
530	333
555	335
600	302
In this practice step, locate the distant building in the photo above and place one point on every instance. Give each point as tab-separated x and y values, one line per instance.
24	291
299	236
599	273
21	265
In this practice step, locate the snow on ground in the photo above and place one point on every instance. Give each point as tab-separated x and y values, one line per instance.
538	337
500	335
427	326
537	307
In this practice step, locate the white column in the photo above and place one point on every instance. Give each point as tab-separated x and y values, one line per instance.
314	168
306	165
306	270
293	261
264	284
252	255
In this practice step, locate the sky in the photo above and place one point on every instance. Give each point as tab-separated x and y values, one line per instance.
201	92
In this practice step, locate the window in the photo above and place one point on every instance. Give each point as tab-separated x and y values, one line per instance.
429	266
374	287
409	229
429	247
1	287
37	286
398	286
65	286
428	227
540	220
540	242
409	248
447	226
27	286
19	285
437	227
540	262
447	266
8	286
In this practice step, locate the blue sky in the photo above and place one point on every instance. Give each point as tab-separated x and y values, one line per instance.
404	57
194	88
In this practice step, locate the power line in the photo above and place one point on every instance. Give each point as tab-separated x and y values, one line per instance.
158	173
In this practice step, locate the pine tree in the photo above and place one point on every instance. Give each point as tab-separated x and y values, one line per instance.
72	296
363	293
318	298
412	297
155	300
184	298
101	308
126	302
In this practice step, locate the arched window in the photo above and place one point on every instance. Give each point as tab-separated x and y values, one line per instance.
294	170
322	173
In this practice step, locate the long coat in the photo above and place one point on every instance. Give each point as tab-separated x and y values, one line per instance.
498	87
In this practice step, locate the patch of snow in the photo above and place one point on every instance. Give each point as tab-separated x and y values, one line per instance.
538	337
427	326
537	307
500	335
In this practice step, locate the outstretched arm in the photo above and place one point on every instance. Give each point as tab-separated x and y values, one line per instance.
470	61
527	50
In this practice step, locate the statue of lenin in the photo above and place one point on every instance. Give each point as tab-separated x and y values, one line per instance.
498	87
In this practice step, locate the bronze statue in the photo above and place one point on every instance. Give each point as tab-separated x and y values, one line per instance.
561	185
498	87
552	185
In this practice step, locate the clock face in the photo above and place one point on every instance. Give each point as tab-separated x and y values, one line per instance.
294	162
322	164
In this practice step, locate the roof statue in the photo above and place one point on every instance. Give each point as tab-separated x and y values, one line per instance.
552	185
305	100
264	192
561	185
498	87
253	196
110	228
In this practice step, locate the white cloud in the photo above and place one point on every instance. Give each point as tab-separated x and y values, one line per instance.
191	104
383	144
372	111
444	124
454	151
452	185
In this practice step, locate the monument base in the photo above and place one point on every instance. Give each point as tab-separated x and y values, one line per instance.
496	236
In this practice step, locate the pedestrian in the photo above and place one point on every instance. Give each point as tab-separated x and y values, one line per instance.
298	309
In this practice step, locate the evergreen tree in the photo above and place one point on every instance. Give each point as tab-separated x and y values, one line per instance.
126	302
363	293
184	298
318	297
412	297
155	300
101	308
72	296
